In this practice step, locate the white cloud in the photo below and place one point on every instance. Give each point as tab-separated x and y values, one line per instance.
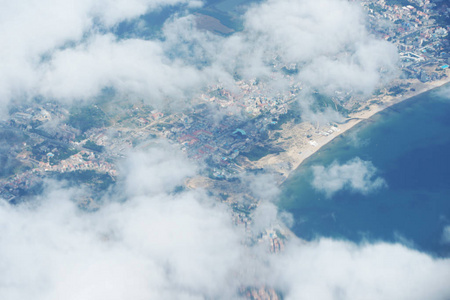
355	175
446	235
330	269
132	66
306	28
162	245
153	245
159	171
265	188
262	186
355	140
443	92
59	49
310	112
32	32
328	40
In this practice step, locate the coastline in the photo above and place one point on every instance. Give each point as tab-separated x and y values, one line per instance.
295	140
302	140
297	152
407	145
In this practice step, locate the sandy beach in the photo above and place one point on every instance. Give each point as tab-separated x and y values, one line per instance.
300	141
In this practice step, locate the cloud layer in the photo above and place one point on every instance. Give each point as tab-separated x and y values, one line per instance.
149	242
356	175
330	269
446	235
63	50
68	51
327	39
155	245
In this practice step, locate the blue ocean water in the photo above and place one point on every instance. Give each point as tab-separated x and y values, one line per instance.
409	144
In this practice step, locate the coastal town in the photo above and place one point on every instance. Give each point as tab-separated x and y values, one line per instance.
251	129
255	126
248	130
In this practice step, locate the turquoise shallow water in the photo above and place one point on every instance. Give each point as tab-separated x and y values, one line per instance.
409	144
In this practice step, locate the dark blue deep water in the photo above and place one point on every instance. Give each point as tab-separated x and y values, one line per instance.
409	144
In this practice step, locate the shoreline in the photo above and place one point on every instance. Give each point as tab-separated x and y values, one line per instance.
294	139
307	150
302	147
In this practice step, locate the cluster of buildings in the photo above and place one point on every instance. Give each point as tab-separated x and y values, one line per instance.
276	245
49	146
208	134
17	184
261	293
81	161
252	97
421	40
217	137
